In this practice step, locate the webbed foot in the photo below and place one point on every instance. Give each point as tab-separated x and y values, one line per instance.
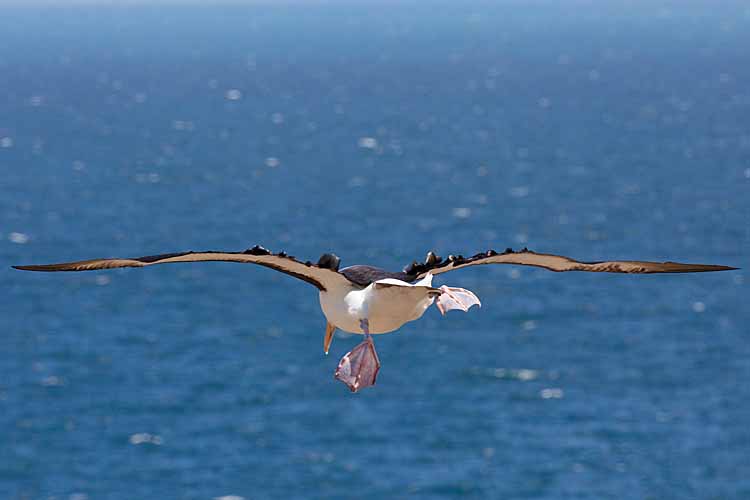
359	367
456	298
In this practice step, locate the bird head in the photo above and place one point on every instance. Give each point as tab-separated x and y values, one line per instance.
329	261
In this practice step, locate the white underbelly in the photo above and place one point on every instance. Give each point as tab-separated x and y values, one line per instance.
386	308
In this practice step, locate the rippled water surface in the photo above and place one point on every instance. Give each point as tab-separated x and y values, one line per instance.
378	132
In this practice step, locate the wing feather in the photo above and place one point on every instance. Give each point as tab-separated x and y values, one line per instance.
557	263
321	277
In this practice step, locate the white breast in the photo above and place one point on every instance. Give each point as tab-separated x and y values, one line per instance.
386	306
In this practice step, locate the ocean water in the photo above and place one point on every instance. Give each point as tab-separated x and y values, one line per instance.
379	132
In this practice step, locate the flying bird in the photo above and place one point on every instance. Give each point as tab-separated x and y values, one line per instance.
368	300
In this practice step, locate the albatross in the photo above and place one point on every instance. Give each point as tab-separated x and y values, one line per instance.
368	300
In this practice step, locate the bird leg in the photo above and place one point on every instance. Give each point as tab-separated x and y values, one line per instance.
359	367
329	336
456	298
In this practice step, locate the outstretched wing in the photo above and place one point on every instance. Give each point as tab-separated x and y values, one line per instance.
558	263
323	275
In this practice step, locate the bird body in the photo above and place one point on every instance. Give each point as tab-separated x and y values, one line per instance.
367	300
386	303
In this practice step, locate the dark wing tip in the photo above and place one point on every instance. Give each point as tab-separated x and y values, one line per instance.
705	267
32	268
727	268
67	266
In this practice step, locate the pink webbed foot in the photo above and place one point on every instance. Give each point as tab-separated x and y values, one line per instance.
359	367
456	298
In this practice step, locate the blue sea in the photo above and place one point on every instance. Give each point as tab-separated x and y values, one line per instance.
378	131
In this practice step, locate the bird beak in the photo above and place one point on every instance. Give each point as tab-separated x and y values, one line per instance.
329	336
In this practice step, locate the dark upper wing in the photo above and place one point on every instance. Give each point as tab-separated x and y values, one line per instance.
436	265
323	275
364	275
